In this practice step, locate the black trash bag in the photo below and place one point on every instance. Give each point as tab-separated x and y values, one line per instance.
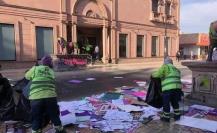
7	104
23	86
13	104
22	104
18	87
154	94
22	109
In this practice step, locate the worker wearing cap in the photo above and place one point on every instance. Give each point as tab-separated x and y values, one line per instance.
171	88
43	95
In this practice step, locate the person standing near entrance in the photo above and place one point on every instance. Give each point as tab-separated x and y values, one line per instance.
96	51
43	95
62	44
192	55
171	88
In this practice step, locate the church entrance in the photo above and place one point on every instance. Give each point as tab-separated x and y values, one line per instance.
88	39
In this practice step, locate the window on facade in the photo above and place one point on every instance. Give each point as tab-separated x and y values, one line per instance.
154	46
69	32
44	41
168	8
155	5
123	45
166	49
7	42
140	45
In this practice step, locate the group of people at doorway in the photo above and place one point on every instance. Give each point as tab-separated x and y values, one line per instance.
75	48
43	95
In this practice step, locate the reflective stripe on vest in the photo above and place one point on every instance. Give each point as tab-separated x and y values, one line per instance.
43	82
172	82
40	91
38	86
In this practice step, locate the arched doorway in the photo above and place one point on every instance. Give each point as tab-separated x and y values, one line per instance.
90	36
90	25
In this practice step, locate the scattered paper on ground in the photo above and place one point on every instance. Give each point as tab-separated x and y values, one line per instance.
90	79
118	77
75	81
198	123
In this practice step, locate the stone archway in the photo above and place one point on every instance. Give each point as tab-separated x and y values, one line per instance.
91	16
80	6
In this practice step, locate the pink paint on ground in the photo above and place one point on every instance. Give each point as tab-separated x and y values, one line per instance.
139	94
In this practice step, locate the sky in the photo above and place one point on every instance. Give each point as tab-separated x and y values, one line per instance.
196	15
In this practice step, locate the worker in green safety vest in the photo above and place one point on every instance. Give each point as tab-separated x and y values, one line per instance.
43	95
171	88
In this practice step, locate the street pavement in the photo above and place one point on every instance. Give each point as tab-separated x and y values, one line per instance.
105	80
104	76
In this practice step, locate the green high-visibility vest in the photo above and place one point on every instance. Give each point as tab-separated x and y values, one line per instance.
43	84
172	79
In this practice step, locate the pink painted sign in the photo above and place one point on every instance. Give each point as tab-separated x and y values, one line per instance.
75	61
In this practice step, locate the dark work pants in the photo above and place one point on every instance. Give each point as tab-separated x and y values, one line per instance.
97	56
41	106
171	97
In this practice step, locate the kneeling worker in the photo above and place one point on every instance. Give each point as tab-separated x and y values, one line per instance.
171	88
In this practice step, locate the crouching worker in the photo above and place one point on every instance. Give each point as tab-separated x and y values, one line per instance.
171	88
43	95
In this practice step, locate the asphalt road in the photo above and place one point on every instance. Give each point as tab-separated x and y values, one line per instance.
104	79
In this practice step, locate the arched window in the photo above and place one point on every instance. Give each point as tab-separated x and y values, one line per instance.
168	8
90	13
155	5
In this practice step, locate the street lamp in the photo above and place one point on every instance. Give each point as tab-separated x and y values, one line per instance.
167	16
165	36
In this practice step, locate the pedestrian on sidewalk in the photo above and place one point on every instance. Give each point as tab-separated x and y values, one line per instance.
214	54
43	95
178	55
212	39
171	88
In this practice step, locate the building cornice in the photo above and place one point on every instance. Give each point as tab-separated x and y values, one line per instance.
28	12
30	8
